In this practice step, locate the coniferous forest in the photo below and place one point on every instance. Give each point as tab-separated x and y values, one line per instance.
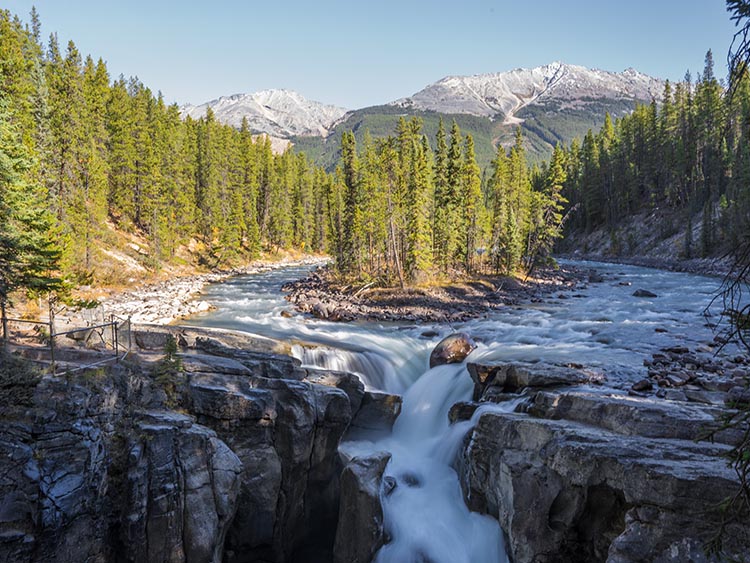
100	154
686	155
112	153
86	155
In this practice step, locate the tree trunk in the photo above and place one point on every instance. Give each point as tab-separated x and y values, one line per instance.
395	256
3	313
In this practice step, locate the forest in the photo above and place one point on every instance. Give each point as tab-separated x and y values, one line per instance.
686	155
86	156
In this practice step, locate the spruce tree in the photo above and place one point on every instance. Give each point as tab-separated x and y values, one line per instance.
29	257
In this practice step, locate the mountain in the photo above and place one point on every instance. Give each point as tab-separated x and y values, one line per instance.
505	94
552	104
278	113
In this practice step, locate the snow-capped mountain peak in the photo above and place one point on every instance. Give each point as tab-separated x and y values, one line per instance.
279	113
505	93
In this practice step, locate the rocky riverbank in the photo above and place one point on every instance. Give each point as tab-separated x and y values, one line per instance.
240	454
171	300
321	296
719	266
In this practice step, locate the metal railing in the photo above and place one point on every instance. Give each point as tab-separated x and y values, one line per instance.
114	335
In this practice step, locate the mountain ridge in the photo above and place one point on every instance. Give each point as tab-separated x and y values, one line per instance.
285	113
276	112
552	104
506	93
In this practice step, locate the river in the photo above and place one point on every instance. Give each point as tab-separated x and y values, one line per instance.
600	325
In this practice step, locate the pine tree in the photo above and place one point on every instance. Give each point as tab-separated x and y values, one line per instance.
29	257
472	206
353	224
441	207
418	240
500	205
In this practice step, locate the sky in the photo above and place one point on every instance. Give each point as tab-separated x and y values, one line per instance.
358	53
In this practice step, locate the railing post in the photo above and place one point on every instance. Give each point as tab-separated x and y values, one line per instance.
115	338
52	343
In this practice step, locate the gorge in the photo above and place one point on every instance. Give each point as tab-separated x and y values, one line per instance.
278	447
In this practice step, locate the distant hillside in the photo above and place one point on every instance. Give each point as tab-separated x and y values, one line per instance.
381	121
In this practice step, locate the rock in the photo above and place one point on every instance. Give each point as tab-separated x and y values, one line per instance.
675	395
568	492
649	417
513	378
286	433
462	411
430	334
452	349
716	398
642	385
263	364
375	416
320	310
212	364
183	484
360	531
287	314
349	383
389	484
739	396
53	475
643	293
150	339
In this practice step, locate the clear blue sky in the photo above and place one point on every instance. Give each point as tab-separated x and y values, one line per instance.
356	53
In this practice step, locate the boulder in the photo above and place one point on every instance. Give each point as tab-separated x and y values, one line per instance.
452	349
462	411
642	385
644	293
360	533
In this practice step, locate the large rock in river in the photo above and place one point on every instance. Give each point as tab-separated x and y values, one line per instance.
360	529
452	349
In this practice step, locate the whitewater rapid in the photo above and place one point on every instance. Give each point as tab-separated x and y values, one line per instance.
599	325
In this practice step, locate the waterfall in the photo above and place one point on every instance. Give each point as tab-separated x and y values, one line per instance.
425	515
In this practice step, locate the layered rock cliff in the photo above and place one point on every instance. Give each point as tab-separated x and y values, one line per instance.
234	459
